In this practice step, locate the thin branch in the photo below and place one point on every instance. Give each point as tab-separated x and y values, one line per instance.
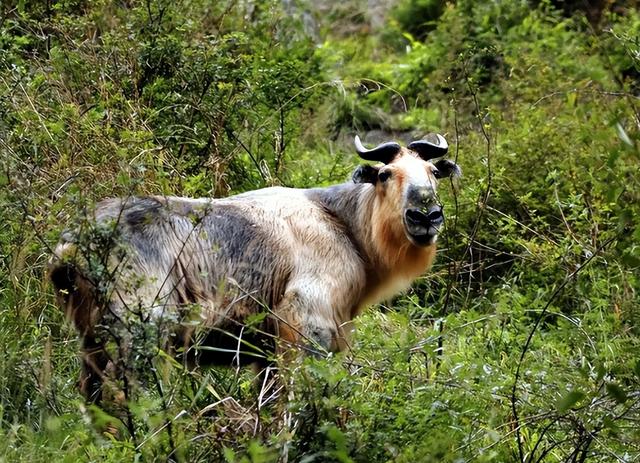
542	314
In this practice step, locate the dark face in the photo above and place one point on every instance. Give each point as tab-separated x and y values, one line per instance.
407	189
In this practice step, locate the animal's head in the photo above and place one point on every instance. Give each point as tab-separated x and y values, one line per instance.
406	185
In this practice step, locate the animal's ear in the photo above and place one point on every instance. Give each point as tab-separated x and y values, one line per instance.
447	168
365	174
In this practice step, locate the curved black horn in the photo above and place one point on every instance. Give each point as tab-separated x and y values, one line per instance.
431	146
384	152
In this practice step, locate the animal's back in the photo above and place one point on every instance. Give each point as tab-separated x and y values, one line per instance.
233	256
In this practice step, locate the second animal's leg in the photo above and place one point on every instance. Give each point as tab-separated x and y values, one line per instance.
95	362
100	383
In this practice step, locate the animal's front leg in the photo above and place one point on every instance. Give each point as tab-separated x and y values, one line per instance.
287	323
321	336
305	321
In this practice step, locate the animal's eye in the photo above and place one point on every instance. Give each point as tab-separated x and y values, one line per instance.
436	173
384	175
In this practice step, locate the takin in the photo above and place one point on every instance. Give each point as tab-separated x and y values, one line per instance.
231	280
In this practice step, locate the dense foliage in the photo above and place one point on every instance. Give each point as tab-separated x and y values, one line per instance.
521	344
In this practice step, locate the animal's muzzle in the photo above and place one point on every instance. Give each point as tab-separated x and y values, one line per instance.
422	224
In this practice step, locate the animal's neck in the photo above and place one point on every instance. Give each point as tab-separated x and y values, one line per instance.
348	203
378	235
391	261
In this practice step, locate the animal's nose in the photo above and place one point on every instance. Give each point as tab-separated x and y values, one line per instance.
421	196
431	216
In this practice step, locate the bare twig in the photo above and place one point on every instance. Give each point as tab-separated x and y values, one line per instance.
525	348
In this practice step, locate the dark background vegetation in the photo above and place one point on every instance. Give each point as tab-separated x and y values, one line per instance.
522	343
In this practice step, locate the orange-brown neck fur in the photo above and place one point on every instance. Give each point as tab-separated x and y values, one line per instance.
396	261
396	254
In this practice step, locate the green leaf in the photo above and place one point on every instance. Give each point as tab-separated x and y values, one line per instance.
569	400
610	424
623	134
616	392
104	421
229	455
